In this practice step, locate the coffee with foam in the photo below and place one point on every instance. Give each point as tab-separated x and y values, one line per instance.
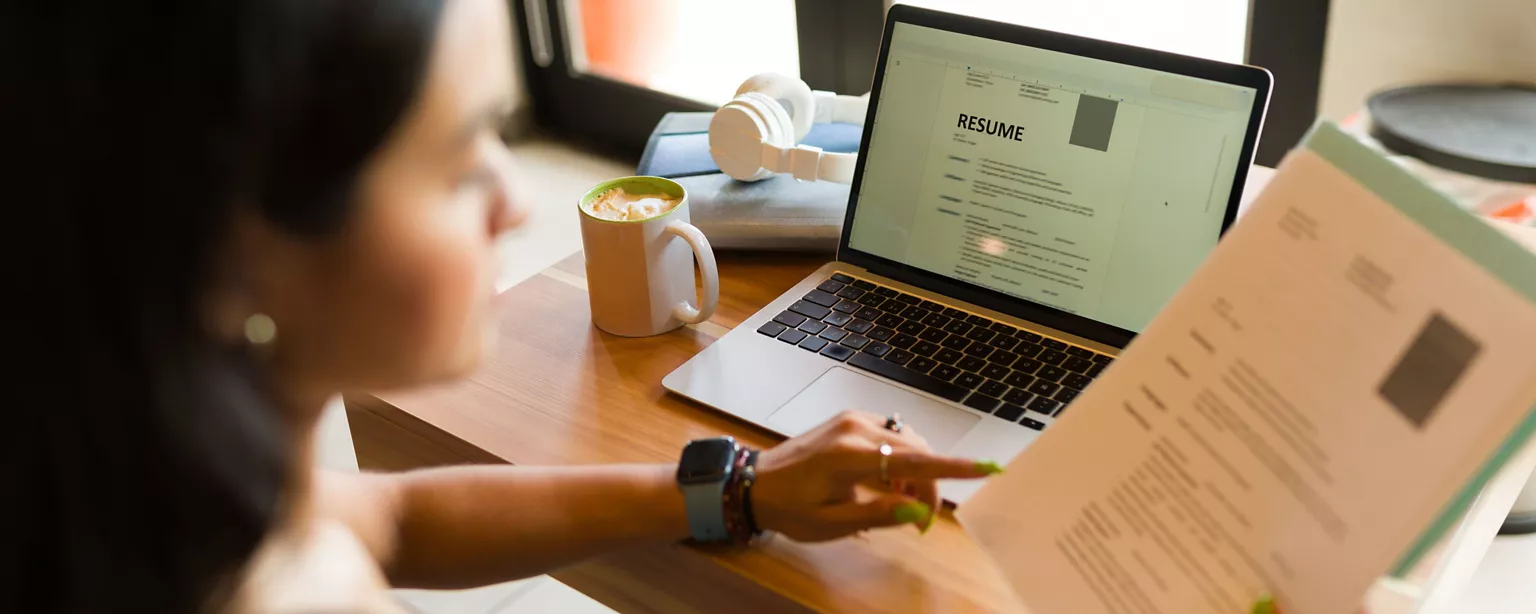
617	204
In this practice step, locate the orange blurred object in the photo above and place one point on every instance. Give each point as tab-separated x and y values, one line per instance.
627	40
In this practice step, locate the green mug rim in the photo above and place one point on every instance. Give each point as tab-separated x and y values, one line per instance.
662	184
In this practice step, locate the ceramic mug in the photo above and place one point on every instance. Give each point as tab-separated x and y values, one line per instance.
640	272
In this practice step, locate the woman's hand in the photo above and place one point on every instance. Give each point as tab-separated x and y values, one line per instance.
826	484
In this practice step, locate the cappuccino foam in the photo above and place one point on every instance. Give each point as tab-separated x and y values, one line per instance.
619	205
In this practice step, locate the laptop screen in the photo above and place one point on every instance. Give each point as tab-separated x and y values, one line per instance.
1089	186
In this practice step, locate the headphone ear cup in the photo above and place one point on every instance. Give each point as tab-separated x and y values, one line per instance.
736	136
781	129
793	92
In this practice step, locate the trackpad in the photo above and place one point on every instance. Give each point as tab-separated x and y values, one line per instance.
840	389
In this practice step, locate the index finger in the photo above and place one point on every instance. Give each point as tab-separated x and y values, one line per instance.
920	465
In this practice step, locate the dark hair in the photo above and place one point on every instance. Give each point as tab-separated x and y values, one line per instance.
152	461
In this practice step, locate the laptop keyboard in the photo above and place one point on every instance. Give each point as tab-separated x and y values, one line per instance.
988	366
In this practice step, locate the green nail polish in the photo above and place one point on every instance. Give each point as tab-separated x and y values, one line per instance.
928	525
1265	604
989	467
912	512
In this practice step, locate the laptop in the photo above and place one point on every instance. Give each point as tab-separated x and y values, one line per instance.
1024	203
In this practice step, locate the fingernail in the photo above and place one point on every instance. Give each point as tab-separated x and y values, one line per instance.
928	525
1265	604
989	467
912	512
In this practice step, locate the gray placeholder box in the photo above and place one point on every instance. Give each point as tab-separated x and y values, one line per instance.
1428	370
1095	119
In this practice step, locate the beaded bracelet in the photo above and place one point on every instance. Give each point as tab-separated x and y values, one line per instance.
737	498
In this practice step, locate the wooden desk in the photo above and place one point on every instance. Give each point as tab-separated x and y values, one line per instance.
561	392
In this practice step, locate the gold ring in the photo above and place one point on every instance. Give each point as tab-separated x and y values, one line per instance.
885	463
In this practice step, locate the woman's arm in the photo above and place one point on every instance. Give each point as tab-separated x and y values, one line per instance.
469	526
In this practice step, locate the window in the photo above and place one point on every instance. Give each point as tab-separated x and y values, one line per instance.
607	70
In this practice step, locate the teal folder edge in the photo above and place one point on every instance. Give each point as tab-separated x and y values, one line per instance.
1474	238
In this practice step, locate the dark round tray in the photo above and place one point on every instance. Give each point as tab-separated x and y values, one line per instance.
1519	524
1486	131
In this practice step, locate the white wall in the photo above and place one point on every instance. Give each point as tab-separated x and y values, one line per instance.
1375	44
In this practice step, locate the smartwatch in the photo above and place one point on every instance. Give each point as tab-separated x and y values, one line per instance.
702	475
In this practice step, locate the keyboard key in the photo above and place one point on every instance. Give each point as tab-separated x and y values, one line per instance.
1076	364
900	357
914	313
1044	388
839	277
1004	343
978	350
831	286
908	299
825	299
996	372
945	372
1018	397
812	327
1018	380
1003	329
1051	357
886	292
936	320
969	380
933	335
833	334
810	310
904	342
993	388
1074	380
867	313
859	326
792	336
851	293
911	327
871	300
955	342
1095	370
948	356
846	306
1052	344
1033	423
957	327
931	306
1029	350
837	352
789	318
1003	357
877	349
838	319
1028	337
1102	359
972	364
1044	405
1051	373
772	329
980	334
925	348
977	320
981	402
864	360
856	341
813	344
954	313
1065	395
1079	352
881	334
1061	410
1026	365
1010	412
889	320
893	307
863	285
921	364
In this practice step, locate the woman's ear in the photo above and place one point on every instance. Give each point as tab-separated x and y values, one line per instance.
249	275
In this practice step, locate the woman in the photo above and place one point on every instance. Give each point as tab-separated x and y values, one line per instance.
253	206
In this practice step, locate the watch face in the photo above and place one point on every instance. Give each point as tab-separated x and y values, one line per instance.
706	461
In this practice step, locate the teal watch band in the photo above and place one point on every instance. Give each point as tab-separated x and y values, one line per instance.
706	514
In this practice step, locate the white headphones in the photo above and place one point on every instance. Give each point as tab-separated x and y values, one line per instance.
753	136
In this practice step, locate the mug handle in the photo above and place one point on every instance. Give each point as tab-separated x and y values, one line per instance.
706	259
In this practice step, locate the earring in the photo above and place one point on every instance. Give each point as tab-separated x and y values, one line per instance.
260	329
